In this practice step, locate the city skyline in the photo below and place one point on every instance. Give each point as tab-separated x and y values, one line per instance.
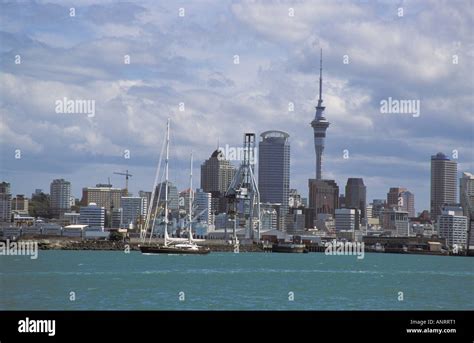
222	99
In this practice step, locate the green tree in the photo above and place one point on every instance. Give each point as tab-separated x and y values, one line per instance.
115	236
40	206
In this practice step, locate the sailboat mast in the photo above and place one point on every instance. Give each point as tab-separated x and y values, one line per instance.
190	235
166	178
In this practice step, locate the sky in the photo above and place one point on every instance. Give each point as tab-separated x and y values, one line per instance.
183	66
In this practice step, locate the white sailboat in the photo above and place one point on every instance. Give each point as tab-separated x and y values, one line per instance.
175	245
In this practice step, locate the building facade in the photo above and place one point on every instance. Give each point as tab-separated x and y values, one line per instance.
323	196
134	210
347	219
104	196
93	216
203	210
20	204
443	183
452	225
274	171
5	202
355	196
60	195
216	175
396	222
466	192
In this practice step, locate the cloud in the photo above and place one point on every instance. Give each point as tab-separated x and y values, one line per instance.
190	60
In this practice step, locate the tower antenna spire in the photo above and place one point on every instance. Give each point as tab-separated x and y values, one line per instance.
321	75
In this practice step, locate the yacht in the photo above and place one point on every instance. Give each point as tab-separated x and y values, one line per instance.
180	246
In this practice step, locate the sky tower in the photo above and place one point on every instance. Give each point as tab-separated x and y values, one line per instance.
319	123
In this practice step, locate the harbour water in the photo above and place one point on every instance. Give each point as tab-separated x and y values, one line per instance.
112	280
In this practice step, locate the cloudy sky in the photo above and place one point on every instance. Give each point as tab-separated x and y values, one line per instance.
46	54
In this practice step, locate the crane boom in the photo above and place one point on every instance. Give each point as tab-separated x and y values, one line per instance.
127	175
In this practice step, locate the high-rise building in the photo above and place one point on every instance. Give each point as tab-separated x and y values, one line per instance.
396	222
466	199
368	211
295	199
342	201
60	193
347	219
5	202
103	195
216	176
452	225
443	183
20	204
403	199
134	210
323	196
203	211
466	192
145	194
407	203
92	215
393	196
319	124
5	187
173	196
117	221
378	205
295	220
356	195
274	171
269	214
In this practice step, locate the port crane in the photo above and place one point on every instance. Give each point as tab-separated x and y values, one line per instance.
243	195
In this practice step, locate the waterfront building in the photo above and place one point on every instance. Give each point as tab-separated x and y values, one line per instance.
274	171
355	196
443	183
104	195
60	195
216	175
323	196
347	219
173	196
466	198
393	196
117	218
295	199
402	198
378	205
396	222
134	210
295	220
93	216
20	205
407	203
202	203
5	202
452	225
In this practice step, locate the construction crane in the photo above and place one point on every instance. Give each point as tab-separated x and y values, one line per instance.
127	175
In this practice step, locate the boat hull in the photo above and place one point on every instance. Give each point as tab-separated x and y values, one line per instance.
289	248
173	250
